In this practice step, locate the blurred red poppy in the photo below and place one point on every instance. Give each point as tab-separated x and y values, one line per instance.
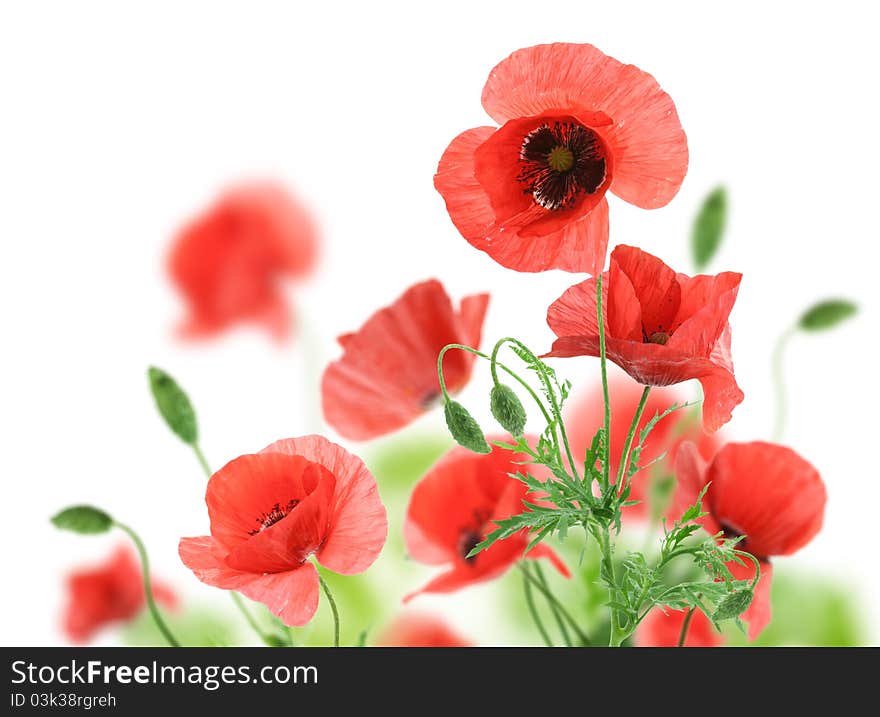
455	505
764	491
228	262
585	415
661	327
108	593
574	124
662	628
273	510
387	375
416	630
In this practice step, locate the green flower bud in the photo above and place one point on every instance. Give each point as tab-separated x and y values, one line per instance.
83	519
508	409
733	605
827	314
464	429
174	405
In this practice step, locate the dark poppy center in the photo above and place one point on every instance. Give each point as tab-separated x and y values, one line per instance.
658	337
278	512
467	542
730	532
560	162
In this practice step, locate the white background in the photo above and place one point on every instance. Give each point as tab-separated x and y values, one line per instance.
118	121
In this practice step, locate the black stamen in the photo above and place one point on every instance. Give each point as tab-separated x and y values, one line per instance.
467	542
278	512
560	163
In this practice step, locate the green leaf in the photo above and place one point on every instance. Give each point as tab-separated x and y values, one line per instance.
174	405
733	605
464	428
507	409
827	314
272	640
708	227
83	519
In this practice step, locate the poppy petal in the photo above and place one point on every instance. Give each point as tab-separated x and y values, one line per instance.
705	307
292	595
654	284
387	375
578	246
768	493
358	522
690	475
646	139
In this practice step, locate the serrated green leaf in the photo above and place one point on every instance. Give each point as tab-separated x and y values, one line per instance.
708	228
174	405
827	314
83	519
507	409
464	428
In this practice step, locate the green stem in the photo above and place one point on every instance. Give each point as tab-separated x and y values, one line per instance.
551	395
533	610
239	603
332	602
510	371
779	383
148	587
684	627
623	468
617	635
581	635
603	362
757	564
560	623
197	449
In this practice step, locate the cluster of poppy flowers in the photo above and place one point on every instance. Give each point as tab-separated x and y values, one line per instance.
573	124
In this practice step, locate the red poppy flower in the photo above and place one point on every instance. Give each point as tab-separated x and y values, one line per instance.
415	630
584	416
764	491
574	124
271	511
662	628
111	592
228	262
387	375
660	327
455	505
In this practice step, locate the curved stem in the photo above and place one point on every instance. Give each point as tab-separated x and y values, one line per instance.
203	462
551	396
757	566
623	468
560	623
684	627
148	587
779	382
500	365
332	602
533	610
581	635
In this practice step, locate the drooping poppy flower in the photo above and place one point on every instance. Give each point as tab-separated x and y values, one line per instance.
455	505
660	327
271	511
387	375
574	124
662	628
417	630
229	261
108	593
764	491
585	415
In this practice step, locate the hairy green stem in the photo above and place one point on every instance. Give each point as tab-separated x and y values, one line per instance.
623	468
779	383
332	602
603	363
148	586
203	462
533	610
684	627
